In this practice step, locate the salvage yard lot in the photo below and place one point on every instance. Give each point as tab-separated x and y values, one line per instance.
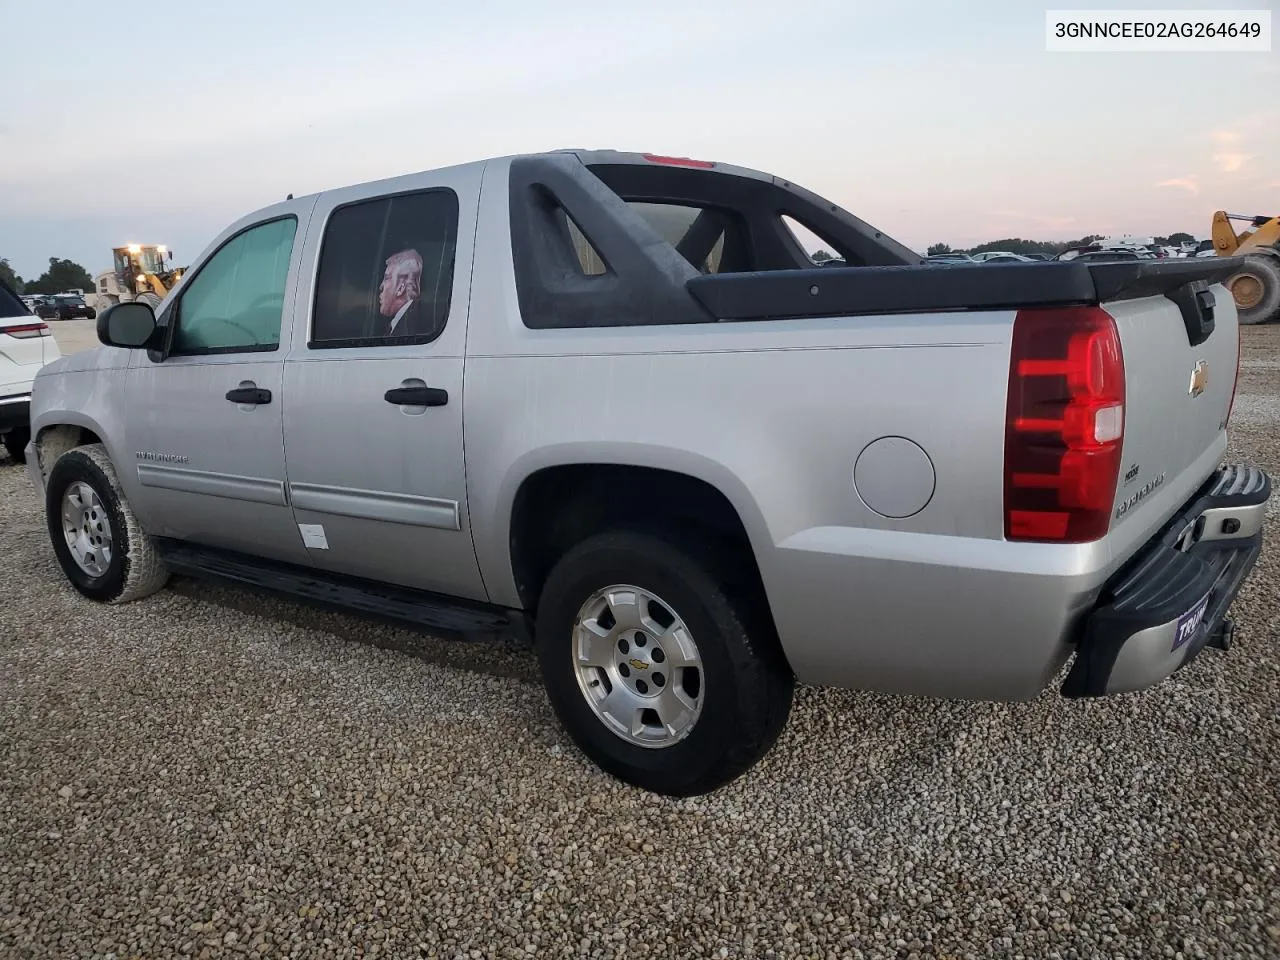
211	772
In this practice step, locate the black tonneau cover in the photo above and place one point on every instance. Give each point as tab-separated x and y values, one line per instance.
853	291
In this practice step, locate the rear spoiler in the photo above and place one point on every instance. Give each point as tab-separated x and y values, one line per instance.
927	288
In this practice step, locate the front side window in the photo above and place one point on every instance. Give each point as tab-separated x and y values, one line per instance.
236	302
386	271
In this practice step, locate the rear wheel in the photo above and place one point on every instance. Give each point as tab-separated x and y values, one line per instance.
1256	289
98	542
662	677
15	444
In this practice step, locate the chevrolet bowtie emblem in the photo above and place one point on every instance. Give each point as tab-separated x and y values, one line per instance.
1199	378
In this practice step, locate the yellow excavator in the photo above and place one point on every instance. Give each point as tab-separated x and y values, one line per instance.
139	272
1256	287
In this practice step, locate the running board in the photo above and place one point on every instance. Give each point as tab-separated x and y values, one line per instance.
352	594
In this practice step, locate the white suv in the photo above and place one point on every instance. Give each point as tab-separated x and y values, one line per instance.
25	346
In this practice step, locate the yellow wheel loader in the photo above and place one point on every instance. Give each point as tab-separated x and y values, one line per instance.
1256	287
140	272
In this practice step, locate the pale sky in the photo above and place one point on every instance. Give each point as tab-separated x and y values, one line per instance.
934	120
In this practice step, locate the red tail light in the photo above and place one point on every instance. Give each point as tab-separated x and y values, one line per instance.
1064	426
24	331
679	161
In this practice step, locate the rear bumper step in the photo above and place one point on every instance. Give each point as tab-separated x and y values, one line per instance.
1171	601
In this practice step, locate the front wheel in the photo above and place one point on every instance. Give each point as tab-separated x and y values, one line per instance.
662	677
99	543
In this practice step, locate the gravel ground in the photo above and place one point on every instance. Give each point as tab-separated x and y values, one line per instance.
211	773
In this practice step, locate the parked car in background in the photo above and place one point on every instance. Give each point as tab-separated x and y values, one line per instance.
25	347
44	308
1008	258
72	306
1108	256
1071	253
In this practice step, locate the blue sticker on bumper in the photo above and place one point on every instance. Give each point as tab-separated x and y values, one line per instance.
1188	623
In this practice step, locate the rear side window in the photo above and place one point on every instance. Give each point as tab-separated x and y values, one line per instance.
10	305
386	271
235	303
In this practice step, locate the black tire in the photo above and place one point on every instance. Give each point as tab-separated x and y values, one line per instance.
153	300
135	569
1264	271
746	687
15	443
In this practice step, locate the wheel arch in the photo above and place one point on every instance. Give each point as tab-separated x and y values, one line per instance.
58	432
618	484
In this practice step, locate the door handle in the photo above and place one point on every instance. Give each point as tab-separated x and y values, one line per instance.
417	396
249	394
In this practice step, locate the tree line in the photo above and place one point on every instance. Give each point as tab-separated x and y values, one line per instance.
61	276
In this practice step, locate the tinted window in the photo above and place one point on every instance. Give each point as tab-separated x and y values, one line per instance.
236	301
386	271
10	305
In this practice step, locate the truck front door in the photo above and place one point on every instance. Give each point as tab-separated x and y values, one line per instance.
204	423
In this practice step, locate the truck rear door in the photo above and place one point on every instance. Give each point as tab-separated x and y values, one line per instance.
373	425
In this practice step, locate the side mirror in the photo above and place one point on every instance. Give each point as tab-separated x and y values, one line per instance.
130	325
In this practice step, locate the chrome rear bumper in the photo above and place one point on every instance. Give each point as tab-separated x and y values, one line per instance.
1171	601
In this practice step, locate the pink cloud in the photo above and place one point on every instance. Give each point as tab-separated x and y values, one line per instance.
1224	136
1231	161
1185	183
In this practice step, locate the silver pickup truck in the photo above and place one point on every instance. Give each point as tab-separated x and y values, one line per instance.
608	400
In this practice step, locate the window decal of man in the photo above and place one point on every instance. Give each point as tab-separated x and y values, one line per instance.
399	295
